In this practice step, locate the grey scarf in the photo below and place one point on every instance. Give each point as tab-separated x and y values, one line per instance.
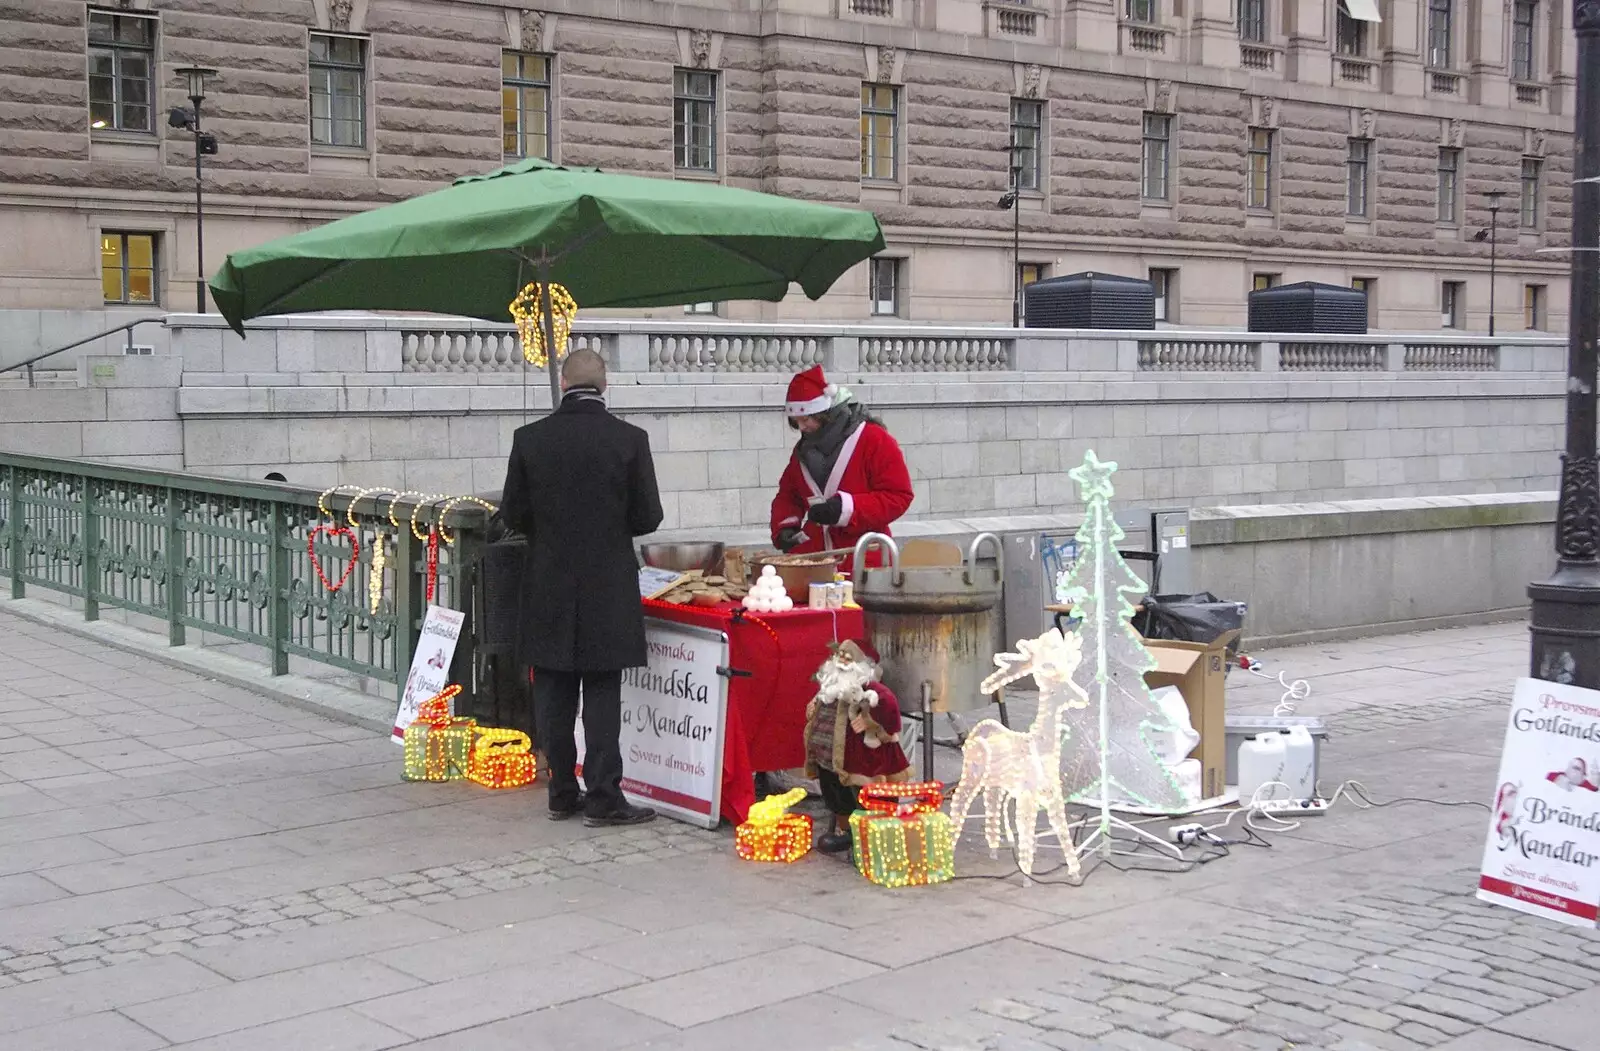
819	451
584	393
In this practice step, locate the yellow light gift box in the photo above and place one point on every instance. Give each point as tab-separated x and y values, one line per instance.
501	758
771	833
900	838
438	746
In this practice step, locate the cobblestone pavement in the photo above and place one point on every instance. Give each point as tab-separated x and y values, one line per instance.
187	864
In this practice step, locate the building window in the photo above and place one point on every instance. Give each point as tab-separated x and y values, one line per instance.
1028	273
1533	307
1532	168
338	90
1523	66
1368	286
121	68
880	131
1350	34
1357	172
1156	158
1452	303
1441	14
1262	282
1260	156
1253	21
1165	284
700	308
884	282
128	267
1027	139
525	105
1449	173
1144	11
694	120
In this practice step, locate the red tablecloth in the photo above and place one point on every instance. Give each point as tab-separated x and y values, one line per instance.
765	724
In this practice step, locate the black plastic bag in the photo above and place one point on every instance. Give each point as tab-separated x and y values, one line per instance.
1190	618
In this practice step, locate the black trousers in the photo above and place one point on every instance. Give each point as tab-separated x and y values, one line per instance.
842	799
556	696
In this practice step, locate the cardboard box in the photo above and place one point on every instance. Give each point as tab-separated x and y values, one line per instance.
1198	670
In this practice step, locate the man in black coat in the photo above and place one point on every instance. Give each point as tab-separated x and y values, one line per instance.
581	485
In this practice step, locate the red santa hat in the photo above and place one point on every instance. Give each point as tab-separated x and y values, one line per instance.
809	393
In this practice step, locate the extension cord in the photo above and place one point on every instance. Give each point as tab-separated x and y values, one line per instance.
1186	835
1297	807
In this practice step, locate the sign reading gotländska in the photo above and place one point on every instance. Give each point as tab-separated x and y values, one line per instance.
1543	851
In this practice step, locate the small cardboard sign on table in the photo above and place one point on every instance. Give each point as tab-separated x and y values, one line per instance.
430	665
1543	850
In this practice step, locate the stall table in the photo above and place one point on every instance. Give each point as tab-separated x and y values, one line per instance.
773	656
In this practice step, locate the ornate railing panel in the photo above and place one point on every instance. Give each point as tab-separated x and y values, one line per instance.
1445	357
468	350
736	352
231	559
934	354
1332	357
1196	355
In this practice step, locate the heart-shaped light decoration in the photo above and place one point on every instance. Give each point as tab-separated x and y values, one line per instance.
316	563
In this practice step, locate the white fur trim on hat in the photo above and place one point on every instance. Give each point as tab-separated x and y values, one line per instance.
809	408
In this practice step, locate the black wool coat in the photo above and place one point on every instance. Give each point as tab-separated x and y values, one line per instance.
581	485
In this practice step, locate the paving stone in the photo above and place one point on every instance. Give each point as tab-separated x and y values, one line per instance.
1220	1009
1421	1034
1441	1023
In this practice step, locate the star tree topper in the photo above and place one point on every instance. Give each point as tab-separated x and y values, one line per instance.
1110	753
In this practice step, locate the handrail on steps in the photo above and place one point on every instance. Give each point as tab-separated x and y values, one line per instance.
129	327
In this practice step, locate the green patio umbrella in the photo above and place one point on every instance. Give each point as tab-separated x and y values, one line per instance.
610	240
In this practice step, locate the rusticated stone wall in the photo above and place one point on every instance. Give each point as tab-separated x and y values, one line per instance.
789	84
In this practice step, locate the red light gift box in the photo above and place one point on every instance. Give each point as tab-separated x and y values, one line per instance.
900	838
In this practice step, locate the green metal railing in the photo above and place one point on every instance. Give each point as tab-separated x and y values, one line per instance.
229	558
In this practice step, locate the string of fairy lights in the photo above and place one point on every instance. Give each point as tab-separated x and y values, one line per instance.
322	540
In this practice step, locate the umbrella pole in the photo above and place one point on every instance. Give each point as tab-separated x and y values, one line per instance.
548	321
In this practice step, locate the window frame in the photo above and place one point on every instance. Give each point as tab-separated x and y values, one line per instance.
1030	176
119	51
522	84
1260	145
693	111
1164	282
1448	174
1439	33
1260	280
1368	286
1530	206
895	266
1252	18
1524	41
125	268
331	67
1349	34
1358	178
1452	304
1535	307
1148	143
710	308
1142	12
872	132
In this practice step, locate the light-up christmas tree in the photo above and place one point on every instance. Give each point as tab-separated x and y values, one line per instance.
1110	749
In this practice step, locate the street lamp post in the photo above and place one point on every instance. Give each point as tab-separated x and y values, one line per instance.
195	83
1494	230
1565	617
1013	201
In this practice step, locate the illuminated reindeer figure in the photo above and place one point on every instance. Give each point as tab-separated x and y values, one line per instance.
1023	768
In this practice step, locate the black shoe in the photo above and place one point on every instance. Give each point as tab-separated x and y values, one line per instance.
834	843
561	813
626	814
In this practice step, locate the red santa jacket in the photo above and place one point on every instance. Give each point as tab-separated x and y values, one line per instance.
872	481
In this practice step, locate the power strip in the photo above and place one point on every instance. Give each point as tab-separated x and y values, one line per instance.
1291	807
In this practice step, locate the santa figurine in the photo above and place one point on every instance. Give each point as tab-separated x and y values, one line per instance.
847	476
852	736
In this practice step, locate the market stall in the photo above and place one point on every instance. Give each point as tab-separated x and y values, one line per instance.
767	678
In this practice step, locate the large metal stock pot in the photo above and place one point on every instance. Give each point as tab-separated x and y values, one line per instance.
931	624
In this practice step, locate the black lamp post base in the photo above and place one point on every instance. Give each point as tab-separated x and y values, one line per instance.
1565	625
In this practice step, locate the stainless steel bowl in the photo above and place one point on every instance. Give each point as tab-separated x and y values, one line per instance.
683	557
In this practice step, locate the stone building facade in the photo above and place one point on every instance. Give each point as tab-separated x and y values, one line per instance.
1214	145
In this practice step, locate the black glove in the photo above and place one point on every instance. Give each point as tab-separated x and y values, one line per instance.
788	538
828	511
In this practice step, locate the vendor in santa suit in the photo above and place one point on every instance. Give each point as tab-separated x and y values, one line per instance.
847	476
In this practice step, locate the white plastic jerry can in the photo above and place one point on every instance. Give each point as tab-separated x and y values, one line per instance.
1299	762
1263	760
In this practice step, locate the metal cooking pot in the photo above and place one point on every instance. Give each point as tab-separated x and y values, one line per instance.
931	625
